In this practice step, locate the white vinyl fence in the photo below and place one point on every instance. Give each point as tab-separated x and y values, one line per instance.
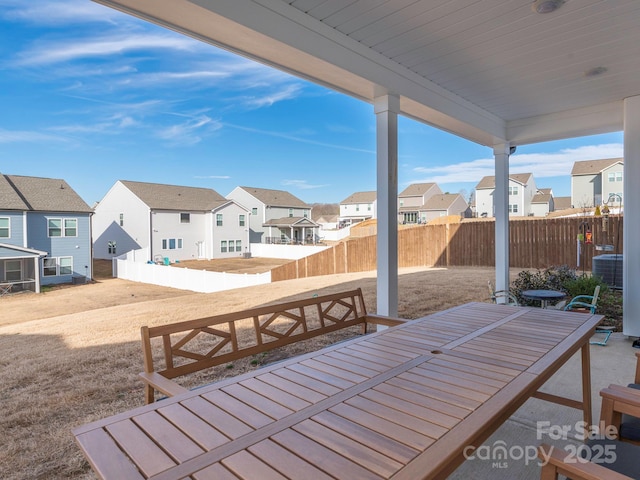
128	268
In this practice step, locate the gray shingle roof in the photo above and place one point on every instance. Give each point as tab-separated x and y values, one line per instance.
560	203
174	197
593	167
275	198
490	181
441	202
360	197
41	195
416	189
290	222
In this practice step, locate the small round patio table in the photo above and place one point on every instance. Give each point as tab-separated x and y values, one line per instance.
545	296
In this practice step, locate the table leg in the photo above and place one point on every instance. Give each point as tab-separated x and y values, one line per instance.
586	384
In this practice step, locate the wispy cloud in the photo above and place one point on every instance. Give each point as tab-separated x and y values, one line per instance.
25	136
302	184
287	92
540	164
298	139
48	12
189	132
47	53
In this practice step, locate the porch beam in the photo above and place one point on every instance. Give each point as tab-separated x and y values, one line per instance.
500	206
631	231
386	109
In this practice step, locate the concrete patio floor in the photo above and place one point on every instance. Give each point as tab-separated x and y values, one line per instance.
613	363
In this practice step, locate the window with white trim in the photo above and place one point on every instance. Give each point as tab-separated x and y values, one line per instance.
291	212
5	227
171	243
241	220
62	227
57	266
223	246
254	211
238	245
111	247
185	218
513	190
219	219
513	208
122	219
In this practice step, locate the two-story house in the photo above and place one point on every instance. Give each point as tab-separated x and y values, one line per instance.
522	189
170	221
594	181
444	204
276	216
358	207
542	203
411	202
45	233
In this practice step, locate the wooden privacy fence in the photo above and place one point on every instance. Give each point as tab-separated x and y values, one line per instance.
533	243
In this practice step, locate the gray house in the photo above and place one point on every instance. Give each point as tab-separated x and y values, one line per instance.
594	181
411	202
444	204
276	216
171	221
45	233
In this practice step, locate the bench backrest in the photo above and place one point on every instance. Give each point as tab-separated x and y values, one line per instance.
194	345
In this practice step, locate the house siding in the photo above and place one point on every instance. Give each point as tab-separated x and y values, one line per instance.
612	187
586	190
16	228
166	225
78	247
133	235
230	231
257	231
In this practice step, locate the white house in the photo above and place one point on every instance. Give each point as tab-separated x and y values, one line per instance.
594	181
276	216
542	203
444	204
358	207
174	222
522	189
412	200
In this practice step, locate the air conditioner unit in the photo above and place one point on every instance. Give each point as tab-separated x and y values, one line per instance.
246	255
609	268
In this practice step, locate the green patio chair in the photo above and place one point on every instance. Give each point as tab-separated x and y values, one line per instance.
502	297
590	303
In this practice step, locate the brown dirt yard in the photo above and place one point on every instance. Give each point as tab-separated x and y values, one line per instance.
72	355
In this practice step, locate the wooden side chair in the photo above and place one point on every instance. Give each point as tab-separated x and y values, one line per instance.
610	457
502	297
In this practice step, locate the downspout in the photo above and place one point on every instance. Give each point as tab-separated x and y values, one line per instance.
150	235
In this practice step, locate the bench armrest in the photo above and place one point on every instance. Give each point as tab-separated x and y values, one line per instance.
559	462
617	400
383	320
162	384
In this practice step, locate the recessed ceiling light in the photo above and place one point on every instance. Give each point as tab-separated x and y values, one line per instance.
546	6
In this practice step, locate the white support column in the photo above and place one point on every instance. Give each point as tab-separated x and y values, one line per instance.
386	109
36	273
501	213
631	233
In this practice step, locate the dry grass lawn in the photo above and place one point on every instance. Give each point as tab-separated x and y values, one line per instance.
72	355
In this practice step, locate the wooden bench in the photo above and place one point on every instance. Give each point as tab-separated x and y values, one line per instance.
195	345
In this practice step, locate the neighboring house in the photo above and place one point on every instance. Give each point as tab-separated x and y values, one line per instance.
411	202
561	203
327	222
542	203
522	189
171	221
358	207
45	233
276	216
594	181
444	204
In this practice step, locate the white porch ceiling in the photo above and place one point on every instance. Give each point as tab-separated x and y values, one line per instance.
488	70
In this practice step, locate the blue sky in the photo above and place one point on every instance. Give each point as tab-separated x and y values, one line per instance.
92	95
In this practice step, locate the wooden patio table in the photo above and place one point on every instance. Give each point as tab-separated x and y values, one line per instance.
402	403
